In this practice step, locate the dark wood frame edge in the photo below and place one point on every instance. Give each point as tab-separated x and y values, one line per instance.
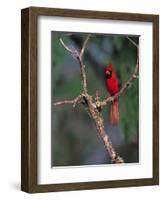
29	99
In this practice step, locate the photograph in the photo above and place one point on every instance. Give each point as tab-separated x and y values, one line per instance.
94	99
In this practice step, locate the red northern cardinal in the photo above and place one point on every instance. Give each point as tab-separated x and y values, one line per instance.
112	86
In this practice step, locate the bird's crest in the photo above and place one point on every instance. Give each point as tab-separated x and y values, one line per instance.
109	67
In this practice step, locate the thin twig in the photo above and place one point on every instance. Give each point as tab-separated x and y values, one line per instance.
82	66
134	43
73	51
73	101
84	45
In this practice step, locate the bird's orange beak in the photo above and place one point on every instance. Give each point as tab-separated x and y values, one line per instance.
108	72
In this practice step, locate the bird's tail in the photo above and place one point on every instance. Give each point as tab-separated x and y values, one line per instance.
114	113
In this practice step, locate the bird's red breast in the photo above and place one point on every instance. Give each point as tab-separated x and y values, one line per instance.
112	83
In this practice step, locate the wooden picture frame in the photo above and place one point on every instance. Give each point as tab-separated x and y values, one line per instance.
29	112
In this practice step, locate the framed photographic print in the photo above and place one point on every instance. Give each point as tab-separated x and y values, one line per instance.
90	99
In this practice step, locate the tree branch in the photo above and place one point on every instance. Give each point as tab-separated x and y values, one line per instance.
73	101
84	45
134	43
99	124
73	51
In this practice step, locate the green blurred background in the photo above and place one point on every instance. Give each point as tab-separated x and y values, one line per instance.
74	137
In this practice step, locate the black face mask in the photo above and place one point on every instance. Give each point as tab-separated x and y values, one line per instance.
108	76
